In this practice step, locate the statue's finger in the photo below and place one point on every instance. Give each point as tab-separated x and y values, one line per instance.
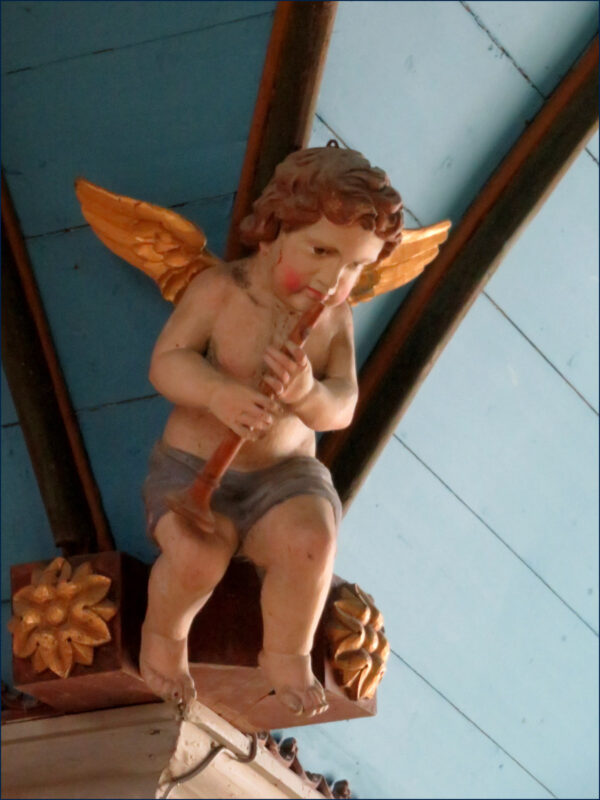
275	383
259	421
280	371
244	427
296	352
282	358
267	403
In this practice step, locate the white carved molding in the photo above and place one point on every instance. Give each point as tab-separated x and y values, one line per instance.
139	752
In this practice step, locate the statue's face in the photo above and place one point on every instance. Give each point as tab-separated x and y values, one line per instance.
322	261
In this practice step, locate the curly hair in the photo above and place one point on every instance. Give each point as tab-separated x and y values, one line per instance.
327	181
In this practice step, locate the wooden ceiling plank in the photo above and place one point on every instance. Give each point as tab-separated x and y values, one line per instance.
60	463
438	302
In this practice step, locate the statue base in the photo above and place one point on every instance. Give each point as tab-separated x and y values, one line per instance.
224	644
112	679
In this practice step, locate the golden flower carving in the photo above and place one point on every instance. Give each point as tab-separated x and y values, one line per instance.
61	616
358	647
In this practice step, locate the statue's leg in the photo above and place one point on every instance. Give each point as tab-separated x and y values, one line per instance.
182	579
295	544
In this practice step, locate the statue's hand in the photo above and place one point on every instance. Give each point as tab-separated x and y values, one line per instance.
292	377
246	411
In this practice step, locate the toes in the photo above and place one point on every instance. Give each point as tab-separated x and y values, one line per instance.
159	685
182	691
189	691
175	695
307	703
299	691
316	702
292	701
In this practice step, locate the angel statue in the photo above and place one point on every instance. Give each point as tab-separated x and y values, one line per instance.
236	361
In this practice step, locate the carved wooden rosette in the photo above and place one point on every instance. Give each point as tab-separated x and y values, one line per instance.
60	617
286	753
76	631
358	648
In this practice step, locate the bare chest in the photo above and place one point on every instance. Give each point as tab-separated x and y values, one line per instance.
245	329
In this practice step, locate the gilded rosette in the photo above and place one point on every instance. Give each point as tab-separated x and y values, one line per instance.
358	648
61	616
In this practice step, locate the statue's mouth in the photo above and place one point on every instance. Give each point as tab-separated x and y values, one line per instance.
315	293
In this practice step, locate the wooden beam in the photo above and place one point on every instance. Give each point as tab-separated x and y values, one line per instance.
149	751
47	419
286	100
440	299
116	753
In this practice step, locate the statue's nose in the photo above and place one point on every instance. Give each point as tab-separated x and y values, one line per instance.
331	280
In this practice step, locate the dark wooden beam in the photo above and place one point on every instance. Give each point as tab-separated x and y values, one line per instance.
47	419
442	296
286	100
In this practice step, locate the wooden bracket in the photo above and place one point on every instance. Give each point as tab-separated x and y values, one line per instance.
286	100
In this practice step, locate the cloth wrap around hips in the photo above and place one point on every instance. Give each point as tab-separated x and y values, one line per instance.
244	497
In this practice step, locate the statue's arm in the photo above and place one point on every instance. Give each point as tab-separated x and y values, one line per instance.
330	403
178	370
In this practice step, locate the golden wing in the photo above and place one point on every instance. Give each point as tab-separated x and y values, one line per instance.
419	246
161	243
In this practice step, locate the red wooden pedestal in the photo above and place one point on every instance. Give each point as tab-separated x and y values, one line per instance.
225	640
112	679
224	643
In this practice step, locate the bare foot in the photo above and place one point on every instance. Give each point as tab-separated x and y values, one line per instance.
295	685
164	667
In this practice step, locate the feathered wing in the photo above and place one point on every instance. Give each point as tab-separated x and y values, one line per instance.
418	248
161	243
172	250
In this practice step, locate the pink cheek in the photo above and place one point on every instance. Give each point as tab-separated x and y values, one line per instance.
291	280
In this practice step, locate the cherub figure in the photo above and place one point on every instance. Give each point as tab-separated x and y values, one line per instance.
327	229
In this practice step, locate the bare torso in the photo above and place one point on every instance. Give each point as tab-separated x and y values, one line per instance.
244	326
